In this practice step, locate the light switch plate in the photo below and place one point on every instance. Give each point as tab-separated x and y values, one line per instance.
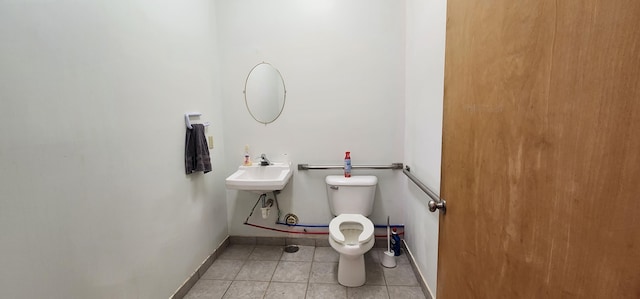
210	141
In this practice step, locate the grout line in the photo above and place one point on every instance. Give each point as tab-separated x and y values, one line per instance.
267	289
384	276
306	292
242	266
227	289
272	275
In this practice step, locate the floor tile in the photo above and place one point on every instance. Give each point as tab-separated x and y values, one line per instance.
266	253
326	254
209	289
246	290
271	241
304	254
400	292
402	259
265	271
324	242
373	256
257	270
374	274
242	240
369	292
292	271
324	272
401	275
283	290
324	290
223	269
301	241
237	252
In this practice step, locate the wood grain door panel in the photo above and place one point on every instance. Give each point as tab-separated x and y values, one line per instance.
541	150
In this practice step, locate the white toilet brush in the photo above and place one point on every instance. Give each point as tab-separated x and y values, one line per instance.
388	259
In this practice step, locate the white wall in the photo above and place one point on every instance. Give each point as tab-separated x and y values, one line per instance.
94	202
426	24
343	66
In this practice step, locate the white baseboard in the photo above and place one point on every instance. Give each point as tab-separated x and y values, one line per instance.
195	276
423	282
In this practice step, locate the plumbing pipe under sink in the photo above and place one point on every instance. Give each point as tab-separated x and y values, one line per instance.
304	232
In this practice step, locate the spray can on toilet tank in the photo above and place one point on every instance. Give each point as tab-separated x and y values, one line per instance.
347	164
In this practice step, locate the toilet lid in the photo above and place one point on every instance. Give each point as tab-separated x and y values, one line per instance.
367	227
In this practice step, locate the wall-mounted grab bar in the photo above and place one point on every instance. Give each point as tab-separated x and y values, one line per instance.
187	122
436	203
315	167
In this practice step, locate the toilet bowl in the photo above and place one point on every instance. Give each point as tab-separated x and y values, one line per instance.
351	232
351	235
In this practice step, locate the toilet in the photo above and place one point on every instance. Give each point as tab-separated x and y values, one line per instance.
351	232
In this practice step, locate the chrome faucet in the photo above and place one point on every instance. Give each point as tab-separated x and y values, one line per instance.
264	161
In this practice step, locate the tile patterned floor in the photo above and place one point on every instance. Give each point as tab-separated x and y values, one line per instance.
249	271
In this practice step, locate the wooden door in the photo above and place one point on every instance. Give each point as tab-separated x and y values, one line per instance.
541	150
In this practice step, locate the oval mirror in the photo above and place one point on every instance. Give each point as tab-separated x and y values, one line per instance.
264	93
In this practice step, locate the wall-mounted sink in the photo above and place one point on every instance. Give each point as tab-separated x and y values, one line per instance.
260	179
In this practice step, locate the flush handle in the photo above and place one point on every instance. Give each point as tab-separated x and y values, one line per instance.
334	187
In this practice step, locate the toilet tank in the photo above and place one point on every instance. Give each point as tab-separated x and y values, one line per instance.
352	195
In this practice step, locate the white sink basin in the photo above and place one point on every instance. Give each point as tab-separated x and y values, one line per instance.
260	179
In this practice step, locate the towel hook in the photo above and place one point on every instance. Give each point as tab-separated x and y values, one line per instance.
188	122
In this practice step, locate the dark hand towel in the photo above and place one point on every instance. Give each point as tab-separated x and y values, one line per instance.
196	151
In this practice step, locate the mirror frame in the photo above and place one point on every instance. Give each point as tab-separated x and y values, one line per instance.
284	96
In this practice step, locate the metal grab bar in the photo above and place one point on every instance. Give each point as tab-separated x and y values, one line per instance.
436	203
315	167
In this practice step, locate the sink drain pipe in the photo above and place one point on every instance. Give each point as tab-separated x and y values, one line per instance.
246	221
304	231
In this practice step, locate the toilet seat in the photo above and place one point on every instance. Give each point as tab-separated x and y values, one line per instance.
336	234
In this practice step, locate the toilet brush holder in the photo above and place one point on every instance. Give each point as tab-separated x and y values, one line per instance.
388	259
